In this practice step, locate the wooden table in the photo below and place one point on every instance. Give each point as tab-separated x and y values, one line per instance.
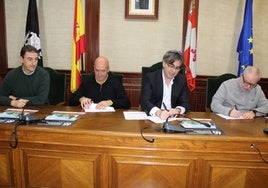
105	150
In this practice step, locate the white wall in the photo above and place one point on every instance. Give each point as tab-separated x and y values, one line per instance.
130	44
55	25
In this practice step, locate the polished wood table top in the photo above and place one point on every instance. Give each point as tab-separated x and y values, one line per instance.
114	123
111	152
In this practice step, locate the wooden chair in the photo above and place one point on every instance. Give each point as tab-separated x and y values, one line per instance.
57	90
212	86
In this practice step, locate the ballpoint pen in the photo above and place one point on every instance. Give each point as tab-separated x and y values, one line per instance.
235	107
165	107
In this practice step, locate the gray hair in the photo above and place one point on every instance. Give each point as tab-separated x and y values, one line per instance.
252	70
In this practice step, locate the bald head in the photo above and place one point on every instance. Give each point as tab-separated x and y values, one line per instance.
102	62
101	69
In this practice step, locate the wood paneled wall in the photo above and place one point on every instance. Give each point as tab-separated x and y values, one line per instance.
132	84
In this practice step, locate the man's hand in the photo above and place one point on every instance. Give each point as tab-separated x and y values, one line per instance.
20	103
174	111
235	113
85	102
12	97
104	104
162	114
248	115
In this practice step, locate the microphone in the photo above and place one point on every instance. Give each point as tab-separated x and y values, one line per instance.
22	117
262	113
170	128
23	120
27	119
205	124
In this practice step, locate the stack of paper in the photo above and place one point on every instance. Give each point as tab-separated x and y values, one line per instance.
92	108
229	117
135	115
140	115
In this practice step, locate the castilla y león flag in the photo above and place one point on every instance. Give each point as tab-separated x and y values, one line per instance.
190	47
79	46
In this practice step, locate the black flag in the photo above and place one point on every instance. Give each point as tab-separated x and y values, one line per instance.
32	30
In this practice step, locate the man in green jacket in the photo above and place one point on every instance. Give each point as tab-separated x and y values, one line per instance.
26	84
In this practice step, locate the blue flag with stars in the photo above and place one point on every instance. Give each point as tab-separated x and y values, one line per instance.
245	43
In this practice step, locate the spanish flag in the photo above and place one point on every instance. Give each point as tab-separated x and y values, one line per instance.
79	46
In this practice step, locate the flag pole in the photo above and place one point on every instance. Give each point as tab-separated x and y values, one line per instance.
82	63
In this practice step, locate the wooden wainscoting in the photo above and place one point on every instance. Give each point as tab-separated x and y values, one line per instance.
132	84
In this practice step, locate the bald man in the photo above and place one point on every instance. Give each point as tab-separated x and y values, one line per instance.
101	87
241	97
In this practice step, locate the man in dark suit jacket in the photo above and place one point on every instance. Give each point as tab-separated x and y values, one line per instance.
165	91
101	87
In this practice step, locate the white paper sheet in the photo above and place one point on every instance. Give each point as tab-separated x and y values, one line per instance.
135	115
229	117
92	108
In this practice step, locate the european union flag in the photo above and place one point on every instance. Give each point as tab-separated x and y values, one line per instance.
245	43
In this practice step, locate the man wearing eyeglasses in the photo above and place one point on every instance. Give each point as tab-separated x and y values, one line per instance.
165	91
241	97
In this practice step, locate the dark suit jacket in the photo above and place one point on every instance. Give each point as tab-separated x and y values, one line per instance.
152	91
112	89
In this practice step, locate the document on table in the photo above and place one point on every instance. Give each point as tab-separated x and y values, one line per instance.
13	113
156	119
190	124
135	115
92	108
64	116
140	115
229	117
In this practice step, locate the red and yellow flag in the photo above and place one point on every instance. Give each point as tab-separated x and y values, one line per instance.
190	46
79	46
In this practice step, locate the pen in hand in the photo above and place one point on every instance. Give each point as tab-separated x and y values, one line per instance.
172	114
236	113
235	107
165	107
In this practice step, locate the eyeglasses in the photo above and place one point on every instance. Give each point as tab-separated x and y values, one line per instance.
247	83
177	68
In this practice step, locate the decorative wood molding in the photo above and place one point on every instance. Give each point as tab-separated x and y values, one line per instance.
92	30
3	44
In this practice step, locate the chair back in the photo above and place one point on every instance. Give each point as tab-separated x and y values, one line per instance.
154	67
145	70
57	90
212	86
